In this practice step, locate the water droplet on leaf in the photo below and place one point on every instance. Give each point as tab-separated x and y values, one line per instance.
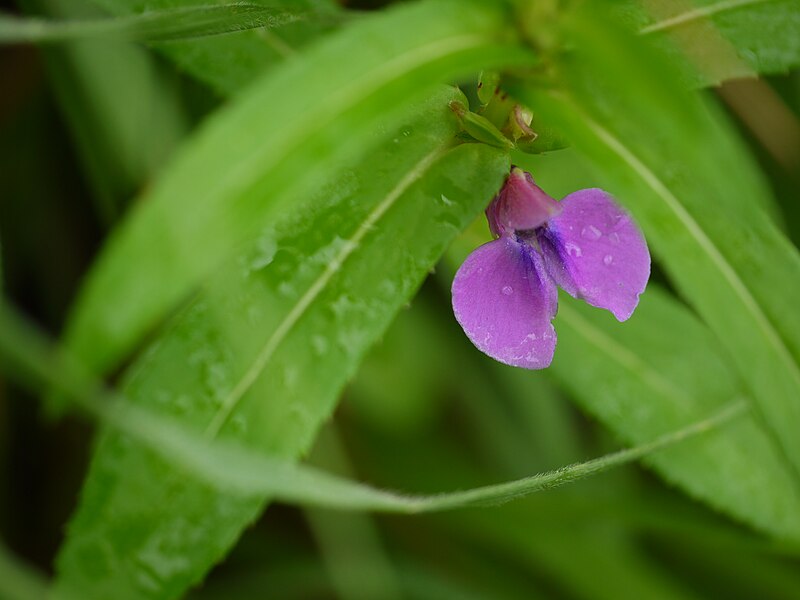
320	345
264	253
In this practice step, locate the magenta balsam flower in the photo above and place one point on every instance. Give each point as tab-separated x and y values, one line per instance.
505	295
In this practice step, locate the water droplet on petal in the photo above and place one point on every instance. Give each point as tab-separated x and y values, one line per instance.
590	232
508	290
608	259
573	250
614	237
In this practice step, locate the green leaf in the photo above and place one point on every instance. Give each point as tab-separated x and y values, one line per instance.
151	26
641	380
19	581
229	63
106	90
262	354
589	559
238	472
265	154
673	161
725	39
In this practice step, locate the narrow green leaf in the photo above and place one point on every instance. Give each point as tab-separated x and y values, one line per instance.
261	355
231	62
19	581
151	26
589	559
236	472
350	546
672	160
106	90
265	154
725	39
640	379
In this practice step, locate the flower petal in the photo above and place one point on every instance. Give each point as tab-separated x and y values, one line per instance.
504	300
520	205
595	251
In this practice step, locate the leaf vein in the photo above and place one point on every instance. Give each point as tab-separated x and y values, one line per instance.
348	248
698	13
705	243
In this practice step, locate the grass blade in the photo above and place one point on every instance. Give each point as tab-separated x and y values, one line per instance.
723	39
151	26
18	581
240	471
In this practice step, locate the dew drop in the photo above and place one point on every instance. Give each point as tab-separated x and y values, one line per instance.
286	289
508	290
264	254
319	344
608	259
238	424
449	220
573	250
590	232
614	237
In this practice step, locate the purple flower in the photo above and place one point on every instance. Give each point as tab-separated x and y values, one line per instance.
505	296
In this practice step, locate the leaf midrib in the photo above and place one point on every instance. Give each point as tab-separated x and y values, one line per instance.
624	357
350	245
698	13
705	243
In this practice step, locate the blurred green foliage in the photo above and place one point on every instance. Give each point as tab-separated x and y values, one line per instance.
100	136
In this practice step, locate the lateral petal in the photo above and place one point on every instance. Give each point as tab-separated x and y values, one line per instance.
504	300
595	251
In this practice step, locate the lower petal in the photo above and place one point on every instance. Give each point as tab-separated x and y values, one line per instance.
595	251
504	300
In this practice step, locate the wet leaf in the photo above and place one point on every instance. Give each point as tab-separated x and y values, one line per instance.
263	156
261	355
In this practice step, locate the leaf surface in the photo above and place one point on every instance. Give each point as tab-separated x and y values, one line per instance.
723	39
640	379
674	162
265	155
229	63
151	26
261	355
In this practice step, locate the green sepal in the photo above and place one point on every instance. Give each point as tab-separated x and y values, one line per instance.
480	127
